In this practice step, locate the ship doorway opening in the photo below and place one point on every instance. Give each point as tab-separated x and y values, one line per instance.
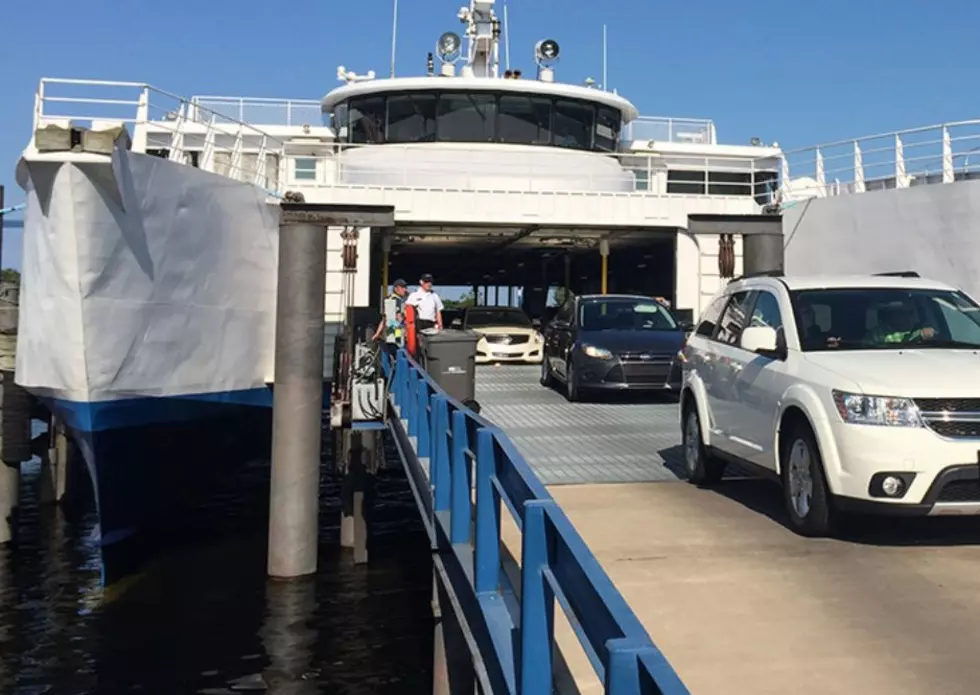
532	268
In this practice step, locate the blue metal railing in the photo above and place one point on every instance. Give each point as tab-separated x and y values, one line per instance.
514	625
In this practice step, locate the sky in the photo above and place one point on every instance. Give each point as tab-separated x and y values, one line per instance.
794	72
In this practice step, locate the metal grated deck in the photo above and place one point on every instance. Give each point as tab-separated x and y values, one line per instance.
615	439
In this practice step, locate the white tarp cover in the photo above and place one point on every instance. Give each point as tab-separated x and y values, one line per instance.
933	229
146	277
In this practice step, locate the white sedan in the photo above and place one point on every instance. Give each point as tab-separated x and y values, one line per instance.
506	335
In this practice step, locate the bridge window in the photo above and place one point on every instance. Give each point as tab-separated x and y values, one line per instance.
524	120
412	118
574	123
478	116
467	117
367	120
607	124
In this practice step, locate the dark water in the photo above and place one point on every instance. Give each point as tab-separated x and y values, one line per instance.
203	618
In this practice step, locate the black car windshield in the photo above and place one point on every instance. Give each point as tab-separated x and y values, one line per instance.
885	319
488	318
625	314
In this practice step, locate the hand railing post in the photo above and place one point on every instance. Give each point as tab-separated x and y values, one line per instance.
486	571
459	525
439	461
622	668
423	417
412	401
401	378
537	603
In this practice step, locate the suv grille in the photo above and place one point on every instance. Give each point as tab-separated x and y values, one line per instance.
951	417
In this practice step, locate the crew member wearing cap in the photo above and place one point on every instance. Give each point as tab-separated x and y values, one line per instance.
392	324
427	303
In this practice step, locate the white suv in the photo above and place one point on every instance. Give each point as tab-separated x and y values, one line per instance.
856	393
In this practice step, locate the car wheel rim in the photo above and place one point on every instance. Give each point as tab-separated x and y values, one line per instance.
692	440
800	478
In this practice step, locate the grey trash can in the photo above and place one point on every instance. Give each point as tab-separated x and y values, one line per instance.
449	356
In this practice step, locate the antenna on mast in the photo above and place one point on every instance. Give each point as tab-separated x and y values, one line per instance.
506	39
394	35
605	77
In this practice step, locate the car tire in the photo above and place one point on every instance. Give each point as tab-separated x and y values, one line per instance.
546	377
571	383
703	469
809	503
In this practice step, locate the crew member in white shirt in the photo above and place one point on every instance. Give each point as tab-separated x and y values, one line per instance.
428	305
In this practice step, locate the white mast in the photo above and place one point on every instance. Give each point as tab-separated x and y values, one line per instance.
394	35
483	33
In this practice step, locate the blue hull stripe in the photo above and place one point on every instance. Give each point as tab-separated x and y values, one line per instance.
135	412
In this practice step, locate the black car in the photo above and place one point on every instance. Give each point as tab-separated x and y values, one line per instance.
613	342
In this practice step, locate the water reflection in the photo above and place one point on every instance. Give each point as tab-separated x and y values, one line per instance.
203	618
288	637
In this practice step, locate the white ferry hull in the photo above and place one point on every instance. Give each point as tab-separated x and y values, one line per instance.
930	229
147	313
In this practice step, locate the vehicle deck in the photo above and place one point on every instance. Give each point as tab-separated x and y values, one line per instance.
737	602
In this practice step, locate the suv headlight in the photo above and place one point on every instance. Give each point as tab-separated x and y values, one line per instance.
596	352
860	409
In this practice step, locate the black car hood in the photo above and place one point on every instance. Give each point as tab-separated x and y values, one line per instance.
634	341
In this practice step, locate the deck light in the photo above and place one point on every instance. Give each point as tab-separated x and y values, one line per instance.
448	47
546	52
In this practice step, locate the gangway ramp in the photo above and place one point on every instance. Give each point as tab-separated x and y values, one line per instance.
613	440
736	601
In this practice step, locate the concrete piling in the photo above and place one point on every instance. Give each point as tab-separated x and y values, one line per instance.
297	400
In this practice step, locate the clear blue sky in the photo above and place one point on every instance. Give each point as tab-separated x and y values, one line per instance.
797	72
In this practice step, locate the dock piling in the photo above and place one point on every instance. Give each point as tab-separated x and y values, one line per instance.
297	400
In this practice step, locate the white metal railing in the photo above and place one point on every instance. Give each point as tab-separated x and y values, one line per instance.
436	167
932	154
698	131
99	103
263	112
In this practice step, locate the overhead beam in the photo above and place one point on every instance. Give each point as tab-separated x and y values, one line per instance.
745	225
335	215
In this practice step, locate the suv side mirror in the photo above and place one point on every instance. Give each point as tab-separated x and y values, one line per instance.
762	340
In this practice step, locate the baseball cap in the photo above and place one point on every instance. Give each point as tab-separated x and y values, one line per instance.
425	278
399	283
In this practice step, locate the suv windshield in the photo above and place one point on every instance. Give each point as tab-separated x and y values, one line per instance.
624	314
885	319
488	318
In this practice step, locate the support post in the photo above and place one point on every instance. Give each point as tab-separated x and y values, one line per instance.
762	253
361	453
297	399
385	253
9	500
604	251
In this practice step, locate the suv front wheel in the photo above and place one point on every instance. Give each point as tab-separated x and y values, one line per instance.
808	499
702	468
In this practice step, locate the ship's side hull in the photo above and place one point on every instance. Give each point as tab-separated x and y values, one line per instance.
931	229
147	327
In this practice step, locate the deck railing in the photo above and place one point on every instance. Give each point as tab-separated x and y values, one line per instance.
932	154
264	112
467	453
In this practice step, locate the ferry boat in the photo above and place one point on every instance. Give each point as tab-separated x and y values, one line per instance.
151	222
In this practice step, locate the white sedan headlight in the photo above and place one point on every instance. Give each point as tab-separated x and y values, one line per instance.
860	409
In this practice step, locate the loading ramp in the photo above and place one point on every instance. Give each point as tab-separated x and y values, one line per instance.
737	602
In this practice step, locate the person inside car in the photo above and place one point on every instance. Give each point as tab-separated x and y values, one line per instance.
897	323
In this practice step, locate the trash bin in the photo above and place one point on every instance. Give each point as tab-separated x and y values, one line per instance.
449	356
